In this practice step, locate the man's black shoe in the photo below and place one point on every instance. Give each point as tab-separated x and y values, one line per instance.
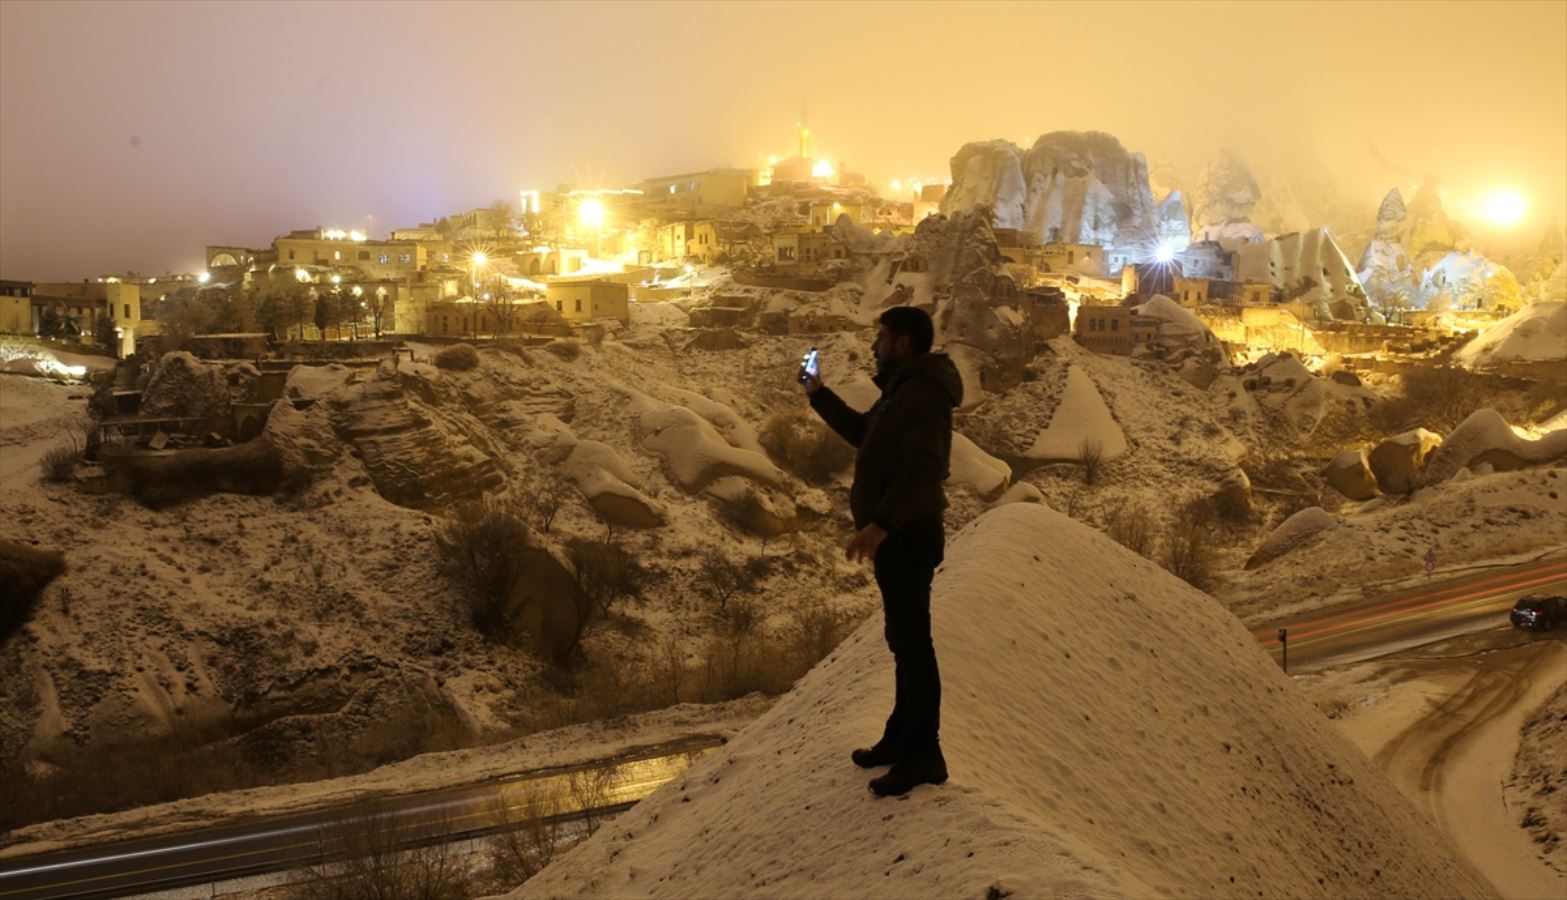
883	754
905	775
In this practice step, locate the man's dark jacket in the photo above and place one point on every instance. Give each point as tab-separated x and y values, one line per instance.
905	440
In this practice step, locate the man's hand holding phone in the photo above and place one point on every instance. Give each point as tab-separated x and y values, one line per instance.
811	371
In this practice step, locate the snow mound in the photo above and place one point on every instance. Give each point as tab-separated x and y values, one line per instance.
604	477
658	312
1086	760
1081	415
1291	533
1536	333
735	430
1485	437
975	468
696	453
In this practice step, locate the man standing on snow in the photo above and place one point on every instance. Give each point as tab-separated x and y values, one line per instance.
904	442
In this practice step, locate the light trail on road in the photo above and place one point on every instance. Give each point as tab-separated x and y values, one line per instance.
1423	611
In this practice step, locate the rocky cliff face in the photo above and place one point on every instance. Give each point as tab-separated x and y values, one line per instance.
1076	187
1309	270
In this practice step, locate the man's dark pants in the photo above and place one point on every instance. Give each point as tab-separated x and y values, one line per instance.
906	563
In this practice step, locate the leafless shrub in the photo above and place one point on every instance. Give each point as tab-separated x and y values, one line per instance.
1436	397
530	832
591	791
720	579
606	572
814	629
368	855
805	446
671	667
479	549
1091	454
458	357
1129	526
1189	551
59	464
547	502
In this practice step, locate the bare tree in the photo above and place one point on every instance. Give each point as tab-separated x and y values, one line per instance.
721	579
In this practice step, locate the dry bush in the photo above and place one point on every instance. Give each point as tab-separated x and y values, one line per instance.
1437	398
547	501
805	446
1189	551
813	631
591	791
530	832
1091	454
1129	526
478	549
606	572
368	855
60	463
458	357
721	579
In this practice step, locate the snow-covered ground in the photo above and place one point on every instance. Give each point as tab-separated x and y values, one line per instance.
1444	722
1089	757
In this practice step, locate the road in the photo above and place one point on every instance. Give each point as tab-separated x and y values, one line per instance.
1398	619
1411	616
295	841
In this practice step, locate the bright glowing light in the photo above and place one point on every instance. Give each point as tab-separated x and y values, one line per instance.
334	234
301	275
1504	208
822	169
896	185
337	279
479	258
356	235
1165	253
591	212
772	160
358	291
204	277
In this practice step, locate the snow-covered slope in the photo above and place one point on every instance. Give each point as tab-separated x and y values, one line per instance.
1087	760
1538	332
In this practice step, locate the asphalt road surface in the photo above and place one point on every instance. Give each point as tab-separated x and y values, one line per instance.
230	851
1411	616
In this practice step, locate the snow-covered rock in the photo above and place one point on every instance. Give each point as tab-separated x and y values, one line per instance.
1385	270
1398	461
1536	333
1226	196
1075	187
1308	270
606	480
1080	416
1022	492
1165	772
1175	229
1292	533
1485	438
695	453
974	468
1461	281
403	425
1349	473
1427	233
749	507
1181	335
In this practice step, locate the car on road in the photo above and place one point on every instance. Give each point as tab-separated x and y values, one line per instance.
1543	613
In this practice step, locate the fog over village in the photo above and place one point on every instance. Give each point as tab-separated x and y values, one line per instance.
409	485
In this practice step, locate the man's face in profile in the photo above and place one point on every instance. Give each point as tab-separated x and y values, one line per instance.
885	348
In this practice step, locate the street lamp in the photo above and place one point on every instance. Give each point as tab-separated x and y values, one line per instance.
480	258
591	212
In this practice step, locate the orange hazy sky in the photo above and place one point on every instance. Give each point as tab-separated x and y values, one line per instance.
132	134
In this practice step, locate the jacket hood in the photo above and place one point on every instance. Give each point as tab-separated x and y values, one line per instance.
934	367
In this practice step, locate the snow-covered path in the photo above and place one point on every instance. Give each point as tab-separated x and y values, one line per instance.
1453	760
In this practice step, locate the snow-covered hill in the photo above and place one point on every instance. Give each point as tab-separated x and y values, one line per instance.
1088	759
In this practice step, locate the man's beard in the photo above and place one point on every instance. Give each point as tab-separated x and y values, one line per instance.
885	369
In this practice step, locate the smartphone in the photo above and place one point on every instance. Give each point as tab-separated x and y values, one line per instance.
808	366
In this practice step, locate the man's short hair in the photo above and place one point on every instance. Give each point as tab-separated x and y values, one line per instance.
913	323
